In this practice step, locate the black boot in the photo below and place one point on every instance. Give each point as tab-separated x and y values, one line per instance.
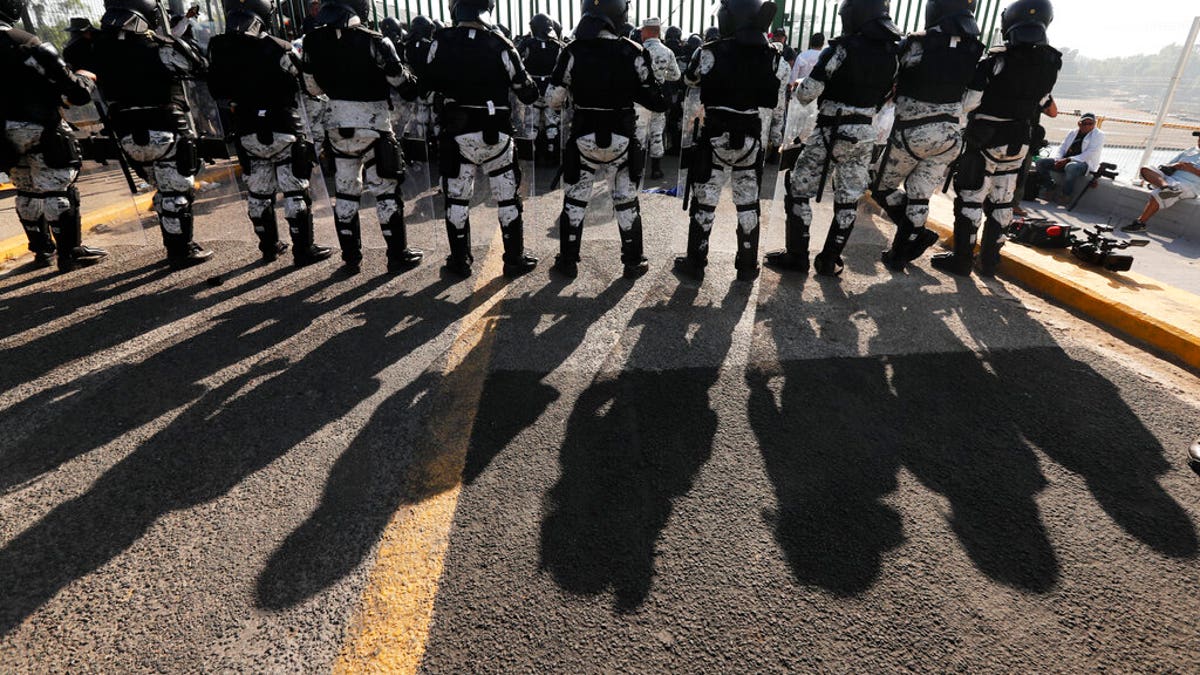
632	256
693	263
460	258
989	247
553	151
794	256
566	262
656	171
517	260
896	258
960	260
829	261
71	251
181	250
400	256
350	241
746	260
266	227
40	242
304	251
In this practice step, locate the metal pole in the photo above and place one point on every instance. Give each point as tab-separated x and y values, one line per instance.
1186	54
908	16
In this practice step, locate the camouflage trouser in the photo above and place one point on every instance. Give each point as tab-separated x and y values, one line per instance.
271	171
741	167
917	159
540	116
176	186
47	200
658	126
989	195
420	123
496	159
611	165
849	167
355	172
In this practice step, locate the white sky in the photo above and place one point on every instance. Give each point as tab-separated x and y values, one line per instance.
1104	28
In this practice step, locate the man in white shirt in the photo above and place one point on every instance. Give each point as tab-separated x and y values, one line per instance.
1169	183
1078	154
807	59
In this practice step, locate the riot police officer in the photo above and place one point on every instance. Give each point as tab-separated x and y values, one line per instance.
260	76
853	77
604	74
540	53
666	70
37	148
935	67
473	66
421	125
736	75
1010	87
357	68
141	75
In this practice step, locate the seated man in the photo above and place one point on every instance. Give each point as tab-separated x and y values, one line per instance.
1078	154
1170	182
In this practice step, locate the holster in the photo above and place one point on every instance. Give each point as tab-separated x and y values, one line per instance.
59	148
449	158
636	162
304	155
243	157
702	161
389	161
187	159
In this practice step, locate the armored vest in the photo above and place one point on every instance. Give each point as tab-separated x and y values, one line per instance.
742	76
142	93
1028	75
603	74
343	62
246	70
467	67
31	96
946	67
865	78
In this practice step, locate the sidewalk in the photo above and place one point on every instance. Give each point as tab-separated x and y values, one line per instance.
1158	302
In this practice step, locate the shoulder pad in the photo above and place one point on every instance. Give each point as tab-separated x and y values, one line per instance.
627	43
368	31
998	50
18	36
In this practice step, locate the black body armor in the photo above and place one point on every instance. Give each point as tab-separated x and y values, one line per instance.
246	70
540	57
742	76
946	68
34	96
1016	93
142	93
865	78
467	68
342	61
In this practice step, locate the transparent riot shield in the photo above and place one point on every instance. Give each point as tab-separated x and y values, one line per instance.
799	123
691	124
415	126
320	184
220	207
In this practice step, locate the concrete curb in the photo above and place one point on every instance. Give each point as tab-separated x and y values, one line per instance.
15	247
1155	313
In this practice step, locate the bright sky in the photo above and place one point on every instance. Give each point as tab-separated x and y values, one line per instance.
1103	28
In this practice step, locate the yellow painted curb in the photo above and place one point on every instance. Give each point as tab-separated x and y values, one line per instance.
121	212
1163	316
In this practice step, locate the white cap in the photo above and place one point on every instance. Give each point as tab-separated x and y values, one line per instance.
652	22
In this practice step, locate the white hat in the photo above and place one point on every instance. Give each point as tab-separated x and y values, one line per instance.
652	22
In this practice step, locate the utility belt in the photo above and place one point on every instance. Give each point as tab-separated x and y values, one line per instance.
542	82
740	125
983	134
604	123
264	123
489	118
843	120
906	124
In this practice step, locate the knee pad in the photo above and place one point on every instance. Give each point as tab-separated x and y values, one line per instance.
258	204
296	203
29	206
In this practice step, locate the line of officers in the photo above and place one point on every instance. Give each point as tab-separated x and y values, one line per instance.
937	77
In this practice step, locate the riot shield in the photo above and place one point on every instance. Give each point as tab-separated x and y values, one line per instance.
800	121
320	183
416	128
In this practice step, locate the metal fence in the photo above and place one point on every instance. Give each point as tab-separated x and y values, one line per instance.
798	18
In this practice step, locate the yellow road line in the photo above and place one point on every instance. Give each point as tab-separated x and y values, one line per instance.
391	628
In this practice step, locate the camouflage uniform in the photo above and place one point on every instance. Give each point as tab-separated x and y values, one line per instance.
666	69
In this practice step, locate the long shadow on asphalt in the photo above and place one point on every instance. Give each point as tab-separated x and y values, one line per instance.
634	443
409	450
221	438
88	412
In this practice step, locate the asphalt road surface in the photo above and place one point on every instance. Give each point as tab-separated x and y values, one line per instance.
299	470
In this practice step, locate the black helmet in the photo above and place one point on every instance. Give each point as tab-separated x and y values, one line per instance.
713	33
478	11
133	15
636	35
745	17
420	28
10	10
956	17
557	28
868	16
541	25
248	16
614	13
391	30
693	43
673	34
1025	22
343	13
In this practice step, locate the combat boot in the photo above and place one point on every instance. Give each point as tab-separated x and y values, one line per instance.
794	256
959	261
